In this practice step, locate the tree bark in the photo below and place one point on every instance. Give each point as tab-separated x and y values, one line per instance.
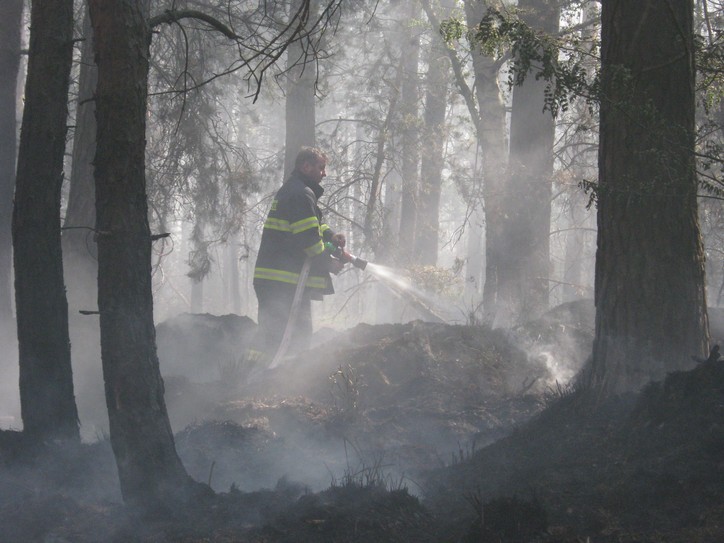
491	130
426	240
47	401
410	128
649	290
300	103
150	471
9	66
234	277
523	286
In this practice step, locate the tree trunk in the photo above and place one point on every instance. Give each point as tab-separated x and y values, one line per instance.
150	471
491	130
234	278
77	243
9	66
300	104
46	379
410	128
80	263
523	286
197	295
649	290
426	240
474	278
573	278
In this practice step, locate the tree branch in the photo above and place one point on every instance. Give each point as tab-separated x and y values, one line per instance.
173	16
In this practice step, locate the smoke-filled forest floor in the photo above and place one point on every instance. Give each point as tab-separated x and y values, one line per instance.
400	433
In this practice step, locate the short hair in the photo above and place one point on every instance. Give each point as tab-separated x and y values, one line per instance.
309	154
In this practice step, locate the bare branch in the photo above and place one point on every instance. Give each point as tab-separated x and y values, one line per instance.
174	16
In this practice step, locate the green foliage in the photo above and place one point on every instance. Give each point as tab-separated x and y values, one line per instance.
563	65
710	71
710	91
590	188
436	280
452	30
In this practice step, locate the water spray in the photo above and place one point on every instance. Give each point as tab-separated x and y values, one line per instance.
398	285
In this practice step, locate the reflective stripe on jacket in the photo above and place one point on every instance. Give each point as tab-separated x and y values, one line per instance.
292	232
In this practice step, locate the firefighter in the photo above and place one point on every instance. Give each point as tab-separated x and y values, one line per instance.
293	232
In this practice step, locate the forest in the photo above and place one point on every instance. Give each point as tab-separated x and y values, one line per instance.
529	351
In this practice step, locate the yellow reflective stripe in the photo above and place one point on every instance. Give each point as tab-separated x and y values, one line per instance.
304	224
313	281
276	275
316	249
277	224
323	228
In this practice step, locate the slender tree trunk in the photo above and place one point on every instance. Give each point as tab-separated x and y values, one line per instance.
234	276
80	213
78	240
150	471
574	250
300	103
373	215
9	66
410	129
474	277
426	240
491	130
649	290
46	378
523	286
197	295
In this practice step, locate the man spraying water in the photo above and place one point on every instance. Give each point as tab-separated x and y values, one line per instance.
298	252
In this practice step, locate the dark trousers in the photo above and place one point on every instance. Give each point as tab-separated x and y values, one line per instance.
275	304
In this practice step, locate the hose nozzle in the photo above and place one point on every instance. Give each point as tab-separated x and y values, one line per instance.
344	256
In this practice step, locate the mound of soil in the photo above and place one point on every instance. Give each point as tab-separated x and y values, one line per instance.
200	346
645	467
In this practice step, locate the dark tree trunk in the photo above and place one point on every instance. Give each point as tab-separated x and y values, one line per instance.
428	209
300	103
649	290
523	286
9	65
150	471
46	379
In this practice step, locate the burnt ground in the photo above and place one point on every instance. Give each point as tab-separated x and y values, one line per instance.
402	433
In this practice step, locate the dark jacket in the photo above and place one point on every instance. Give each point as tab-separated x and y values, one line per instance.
293	231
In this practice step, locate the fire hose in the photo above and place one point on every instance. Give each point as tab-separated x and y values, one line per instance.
336	252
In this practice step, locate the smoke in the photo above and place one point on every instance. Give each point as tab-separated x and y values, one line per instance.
560	341
9	379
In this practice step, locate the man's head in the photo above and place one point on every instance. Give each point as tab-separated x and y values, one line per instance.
312	163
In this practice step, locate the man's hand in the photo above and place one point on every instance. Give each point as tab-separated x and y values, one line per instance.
335	265
339	240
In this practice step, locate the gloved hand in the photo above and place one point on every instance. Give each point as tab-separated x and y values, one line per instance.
335	265
339	240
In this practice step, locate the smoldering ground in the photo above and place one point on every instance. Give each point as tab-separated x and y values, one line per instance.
323	447
404	396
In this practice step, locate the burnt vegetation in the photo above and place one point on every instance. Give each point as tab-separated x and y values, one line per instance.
437	439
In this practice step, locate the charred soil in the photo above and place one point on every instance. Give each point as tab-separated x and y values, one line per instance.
402	433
